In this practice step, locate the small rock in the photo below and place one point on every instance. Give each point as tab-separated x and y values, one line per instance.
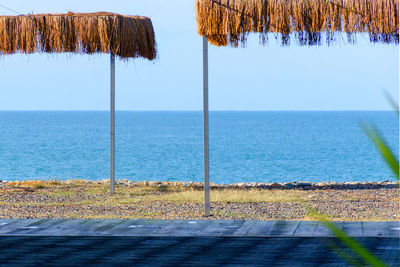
275	185
289	186
303	184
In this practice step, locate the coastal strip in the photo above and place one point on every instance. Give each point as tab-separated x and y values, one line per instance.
301	185
82	199
282	186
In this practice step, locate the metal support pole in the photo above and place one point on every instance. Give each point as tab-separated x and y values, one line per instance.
206	131
112	124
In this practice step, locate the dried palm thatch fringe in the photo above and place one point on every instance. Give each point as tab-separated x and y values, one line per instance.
102	32
308	21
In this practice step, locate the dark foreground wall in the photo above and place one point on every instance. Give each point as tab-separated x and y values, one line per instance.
182	251
186	243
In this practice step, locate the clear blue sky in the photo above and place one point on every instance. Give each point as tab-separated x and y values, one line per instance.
341	77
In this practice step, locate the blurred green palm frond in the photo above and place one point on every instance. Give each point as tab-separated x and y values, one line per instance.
373	133
363	254
381	145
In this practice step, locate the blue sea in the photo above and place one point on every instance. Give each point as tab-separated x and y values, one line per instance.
167	146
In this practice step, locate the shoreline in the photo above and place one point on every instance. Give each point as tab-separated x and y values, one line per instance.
243	185
281	186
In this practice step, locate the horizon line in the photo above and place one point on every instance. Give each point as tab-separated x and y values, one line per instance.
195	110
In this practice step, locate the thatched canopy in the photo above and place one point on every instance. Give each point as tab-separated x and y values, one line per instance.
309	22
102	32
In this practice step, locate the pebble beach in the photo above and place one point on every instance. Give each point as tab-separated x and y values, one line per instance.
378	201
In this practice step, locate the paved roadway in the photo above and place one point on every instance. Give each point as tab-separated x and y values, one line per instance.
35	242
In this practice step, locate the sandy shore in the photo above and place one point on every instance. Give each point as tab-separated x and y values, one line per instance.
161	200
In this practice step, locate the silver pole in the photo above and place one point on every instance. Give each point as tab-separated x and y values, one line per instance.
206	131
112	125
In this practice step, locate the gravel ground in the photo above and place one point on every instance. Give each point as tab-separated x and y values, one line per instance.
343	205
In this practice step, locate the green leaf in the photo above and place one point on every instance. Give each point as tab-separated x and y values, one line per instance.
344	255
356	247
392	102
367	256
379	142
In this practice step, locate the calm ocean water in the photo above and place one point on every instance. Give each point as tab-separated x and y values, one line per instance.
244	146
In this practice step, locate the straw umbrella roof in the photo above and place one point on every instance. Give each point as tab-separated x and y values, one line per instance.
101	32
309	22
